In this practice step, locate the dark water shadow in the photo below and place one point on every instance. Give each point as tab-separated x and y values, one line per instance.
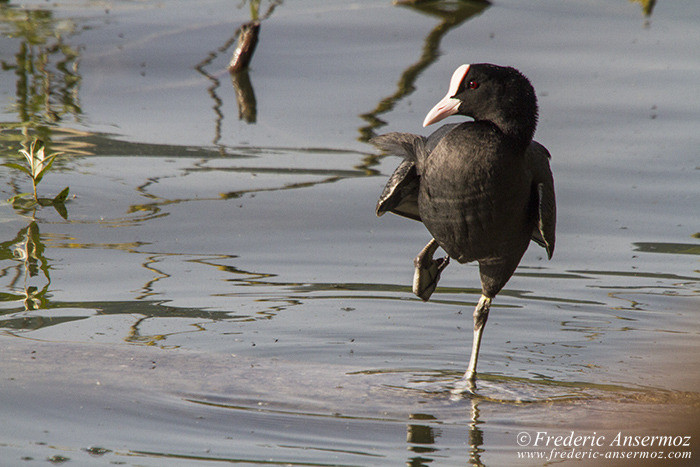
637	274
669	248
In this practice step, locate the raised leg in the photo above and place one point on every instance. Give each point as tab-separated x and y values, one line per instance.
428	270
481	314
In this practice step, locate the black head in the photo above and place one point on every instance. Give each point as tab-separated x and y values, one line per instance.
485	92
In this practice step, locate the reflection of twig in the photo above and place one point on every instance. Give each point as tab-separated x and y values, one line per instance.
452	14
246	36
147	289
245	96
211	90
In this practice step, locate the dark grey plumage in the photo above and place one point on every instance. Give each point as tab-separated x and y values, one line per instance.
478	233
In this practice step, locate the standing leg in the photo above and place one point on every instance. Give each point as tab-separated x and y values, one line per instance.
481	314
428	270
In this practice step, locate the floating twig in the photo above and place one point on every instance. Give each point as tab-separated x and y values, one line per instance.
247	40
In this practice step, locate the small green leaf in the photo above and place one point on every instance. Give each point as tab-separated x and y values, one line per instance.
61	209
38	162
18	167
23	203
27	155
45	201
36	145
47	163
62	196
14	198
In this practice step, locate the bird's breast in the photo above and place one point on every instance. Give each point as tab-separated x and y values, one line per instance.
476	207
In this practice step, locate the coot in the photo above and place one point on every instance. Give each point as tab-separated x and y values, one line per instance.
482	188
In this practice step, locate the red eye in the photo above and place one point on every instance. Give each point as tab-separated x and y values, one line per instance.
473	85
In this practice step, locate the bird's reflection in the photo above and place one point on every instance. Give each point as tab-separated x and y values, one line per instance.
421	435
451	14
476	436
422	438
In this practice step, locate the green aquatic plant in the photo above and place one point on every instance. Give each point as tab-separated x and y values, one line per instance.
38	164
647	6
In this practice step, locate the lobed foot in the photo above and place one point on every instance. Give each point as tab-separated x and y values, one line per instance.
428	270
464	386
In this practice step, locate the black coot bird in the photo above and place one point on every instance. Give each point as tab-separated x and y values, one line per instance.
482	188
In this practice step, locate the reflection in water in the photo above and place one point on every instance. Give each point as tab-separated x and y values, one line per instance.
27	249
476	436
278	164
421	439
451	15
670	248
46	69
272	294
136	336
245	38
245	96
215	83
46	91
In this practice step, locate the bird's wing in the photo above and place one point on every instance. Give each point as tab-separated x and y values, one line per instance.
543	183
400	194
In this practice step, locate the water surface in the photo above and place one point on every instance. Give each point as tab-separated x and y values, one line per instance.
220	289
